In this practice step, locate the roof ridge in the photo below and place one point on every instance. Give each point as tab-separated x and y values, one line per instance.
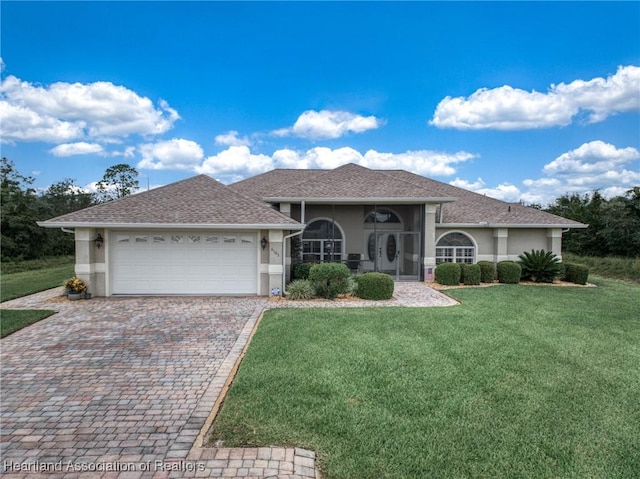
325	173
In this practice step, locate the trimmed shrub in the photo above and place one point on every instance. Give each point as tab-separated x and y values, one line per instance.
301	270
470	274
487	271
374	286
539	266
300	289
576	273
448	274
509	272
330	279
563	271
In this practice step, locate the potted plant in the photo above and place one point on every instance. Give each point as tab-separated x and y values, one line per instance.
75	288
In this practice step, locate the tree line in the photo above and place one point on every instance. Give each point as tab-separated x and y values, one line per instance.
21	206
614	224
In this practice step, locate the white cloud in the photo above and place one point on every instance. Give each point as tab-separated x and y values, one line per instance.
231	138
424	162
175	154
592	166
593	157
79	148
508	108
504	191
66	111
235	162
326	124
21	124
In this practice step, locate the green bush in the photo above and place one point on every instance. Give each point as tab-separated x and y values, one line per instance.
301	270
539	266
509	272
300	289
448	274
562	271
487	271
470	274
576	273
374	286
330	279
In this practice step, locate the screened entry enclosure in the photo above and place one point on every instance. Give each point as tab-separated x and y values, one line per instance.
394	253
379	239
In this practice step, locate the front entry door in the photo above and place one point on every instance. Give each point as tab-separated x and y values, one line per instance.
395	253
387	253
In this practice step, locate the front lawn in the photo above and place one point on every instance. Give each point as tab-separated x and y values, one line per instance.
517	381
25	281
11	320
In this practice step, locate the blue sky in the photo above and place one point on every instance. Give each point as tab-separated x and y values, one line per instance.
520	101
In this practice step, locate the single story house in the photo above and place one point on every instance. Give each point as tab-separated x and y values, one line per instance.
198	236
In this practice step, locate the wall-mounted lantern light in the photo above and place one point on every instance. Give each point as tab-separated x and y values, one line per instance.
263	242
99	241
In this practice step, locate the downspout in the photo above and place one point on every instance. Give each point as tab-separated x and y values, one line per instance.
65	230
284	248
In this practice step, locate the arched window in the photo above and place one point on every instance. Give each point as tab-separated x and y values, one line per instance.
382	215
322	241
455	248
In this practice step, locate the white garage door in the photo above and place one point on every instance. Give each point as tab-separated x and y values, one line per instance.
184	262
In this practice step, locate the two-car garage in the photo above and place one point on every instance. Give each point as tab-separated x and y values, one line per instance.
192	237
184	262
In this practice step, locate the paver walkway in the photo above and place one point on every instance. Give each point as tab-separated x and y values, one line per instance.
124	387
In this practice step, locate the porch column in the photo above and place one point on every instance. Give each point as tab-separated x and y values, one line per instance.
285	209
90	261
429	261
554	241
275	260
500	240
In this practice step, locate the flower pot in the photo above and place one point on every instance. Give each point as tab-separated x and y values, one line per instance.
75	296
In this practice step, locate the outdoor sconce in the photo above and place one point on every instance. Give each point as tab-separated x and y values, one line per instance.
263	242
99	241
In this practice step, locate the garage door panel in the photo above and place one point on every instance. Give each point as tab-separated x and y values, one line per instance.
184	263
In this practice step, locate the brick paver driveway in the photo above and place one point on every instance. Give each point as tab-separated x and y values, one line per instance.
117	379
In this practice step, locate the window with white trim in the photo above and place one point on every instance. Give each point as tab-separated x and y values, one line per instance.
455	248
322	242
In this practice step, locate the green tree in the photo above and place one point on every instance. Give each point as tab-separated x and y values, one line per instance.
118	181
59	199
21	237
614	224
65	197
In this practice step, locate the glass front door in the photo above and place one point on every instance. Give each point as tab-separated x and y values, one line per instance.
396	254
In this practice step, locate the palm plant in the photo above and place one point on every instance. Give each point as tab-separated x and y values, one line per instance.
539	266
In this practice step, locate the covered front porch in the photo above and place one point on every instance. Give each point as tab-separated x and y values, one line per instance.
387	238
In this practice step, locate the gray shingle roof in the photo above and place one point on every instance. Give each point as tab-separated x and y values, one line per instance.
472	208
200	200
351	181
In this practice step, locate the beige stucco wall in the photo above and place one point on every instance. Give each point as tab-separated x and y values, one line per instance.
498	244
90	264
521	240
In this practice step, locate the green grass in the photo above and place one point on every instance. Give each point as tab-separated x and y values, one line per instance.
627	269
11	320
517	381
31	277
